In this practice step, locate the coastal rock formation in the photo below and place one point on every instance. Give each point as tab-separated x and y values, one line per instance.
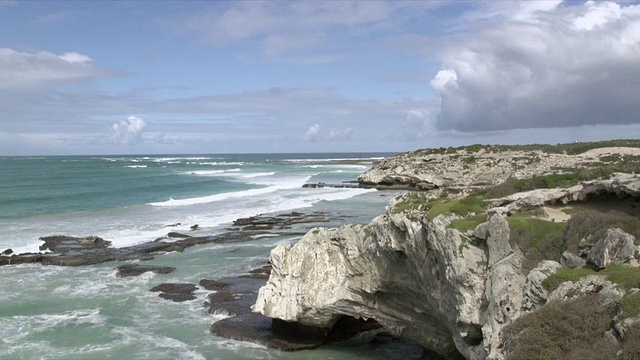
484	165
417	278
421	275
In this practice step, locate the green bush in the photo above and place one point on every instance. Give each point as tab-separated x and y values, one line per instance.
596	223
569	330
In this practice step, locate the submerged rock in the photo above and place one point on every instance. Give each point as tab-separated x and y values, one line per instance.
176	292
137	269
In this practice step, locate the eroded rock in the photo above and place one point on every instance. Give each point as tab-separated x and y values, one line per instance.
616	247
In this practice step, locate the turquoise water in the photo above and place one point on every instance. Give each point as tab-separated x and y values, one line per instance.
51	312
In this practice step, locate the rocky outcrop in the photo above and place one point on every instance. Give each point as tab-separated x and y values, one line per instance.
615	248
478	165
619	185
423	280
418	278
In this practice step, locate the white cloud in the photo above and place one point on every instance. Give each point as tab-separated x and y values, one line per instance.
312	134
597	15
127	132
572	66
22	70
293	26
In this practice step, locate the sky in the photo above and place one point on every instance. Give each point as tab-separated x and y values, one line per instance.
177	77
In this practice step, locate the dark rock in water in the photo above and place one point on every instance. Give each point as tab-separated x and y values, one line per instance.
175	288
62	243
137	269
257	328
177	235
213	285
176	292
194	227
282	221
7	252
261	273
236	298
78	251
173	225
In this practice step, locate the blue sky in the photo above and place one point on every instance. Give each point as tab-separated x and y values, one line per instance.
120	77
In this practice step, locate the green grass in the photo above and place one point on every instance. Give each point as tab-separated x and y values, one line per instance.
469	223
412	201
537	228
471	204
631	305
623	275
565	274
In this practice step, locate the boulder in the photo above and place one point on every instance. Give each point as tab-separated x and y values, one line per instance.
572	261
616	247
496	233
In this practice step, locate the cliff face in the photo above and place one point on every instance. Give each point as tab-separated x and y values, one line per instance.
416	277
427	275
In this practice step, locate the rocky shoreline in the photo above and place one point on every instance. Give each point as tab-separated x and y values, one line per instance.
463	265
455	269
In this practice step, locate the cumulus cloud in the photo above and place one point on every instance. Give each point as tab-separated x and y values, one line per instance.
312	134
127	132
23	70
577	65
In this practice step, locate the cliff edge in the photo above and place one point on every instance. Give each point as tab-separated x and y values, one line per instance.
455	272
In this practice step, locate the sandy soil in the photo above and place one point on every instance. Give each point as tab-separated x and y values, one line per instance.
596	153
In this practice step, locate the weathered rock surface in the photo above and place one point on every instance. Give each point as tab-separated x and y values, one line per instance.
616	247
620	185
415	277
434	168
425	281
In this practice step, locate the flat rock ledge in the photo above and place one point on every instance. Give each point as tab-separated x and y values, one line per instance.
66	250
176	292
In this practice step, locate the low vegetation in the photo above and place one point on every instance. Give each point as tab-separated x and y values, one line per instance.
569	330
569	149
625	276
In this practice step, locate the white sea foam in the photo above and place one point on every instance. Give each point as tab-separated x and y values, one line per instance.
211	172
45	322
290	184
223	163
136	166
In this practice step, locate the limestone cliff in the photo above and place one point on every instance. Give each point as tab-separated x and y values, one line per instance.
447	273
484	165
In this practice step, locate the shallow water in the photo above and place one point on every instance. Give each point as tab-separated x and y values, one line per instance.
49	312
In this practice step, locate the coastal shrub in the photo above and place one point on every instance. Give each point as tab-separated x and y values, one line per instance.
631	305
538	239
595	224
571	329
631	344
503	189
569	148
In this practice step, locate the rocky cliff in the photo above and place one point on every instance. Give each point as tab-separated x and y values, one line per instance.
449	273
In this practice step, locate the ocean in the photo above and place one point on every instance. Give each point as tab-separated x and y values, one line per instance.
50	312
